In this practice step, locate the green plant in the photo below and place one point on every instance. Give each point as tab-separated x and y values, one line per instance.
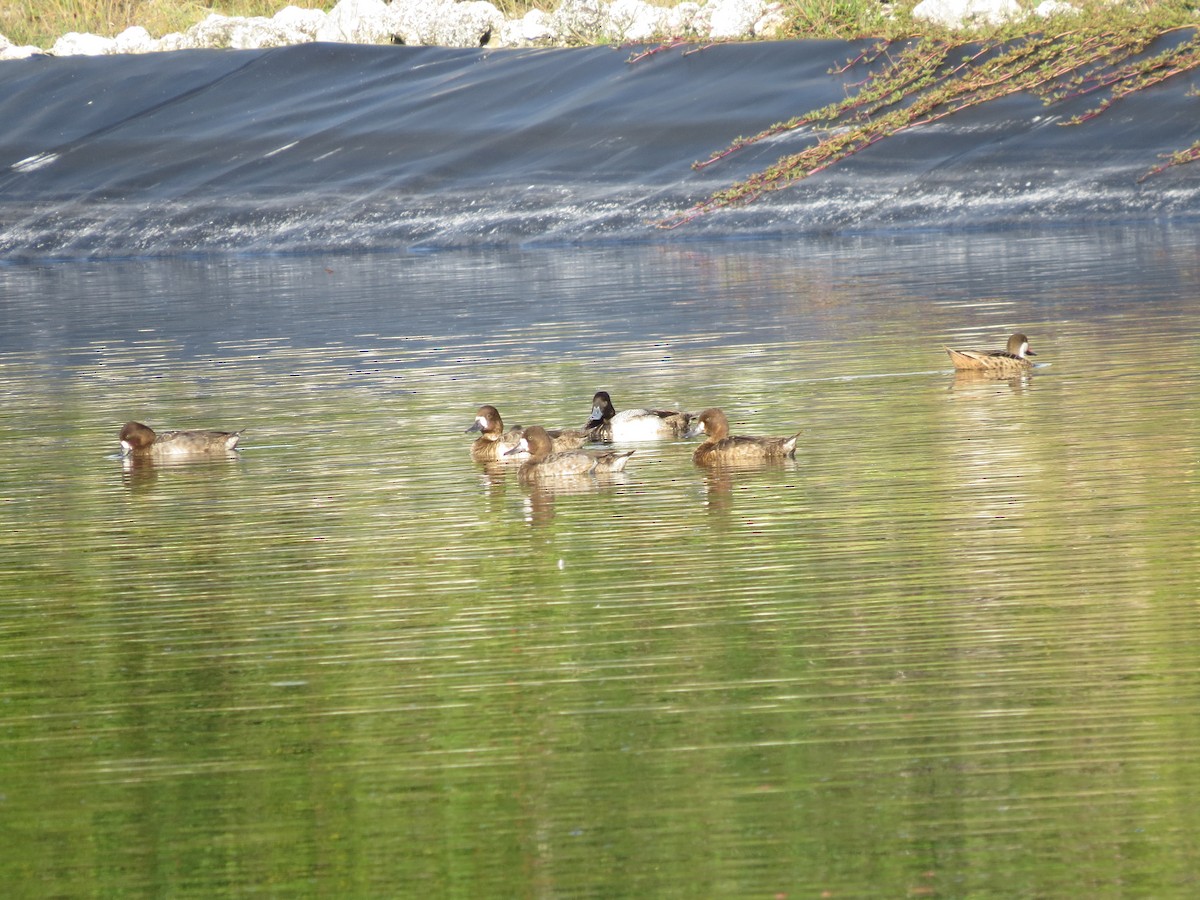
922	80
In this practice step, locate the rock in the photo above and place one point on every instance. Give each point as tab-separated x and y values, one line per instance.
9	50
634	20
135	39
771	23
575	20
476	23
303	21
234	33
960	13
685	19
75	44
734	18
357	22
532	28
446	24
1054	8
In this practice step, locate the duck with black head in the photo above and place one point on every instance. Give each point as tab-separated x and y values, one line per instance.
606	424
720	448
494	443
543	462
141	442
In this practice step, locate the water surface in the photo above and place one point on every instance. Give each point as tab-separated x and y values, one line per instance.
950	651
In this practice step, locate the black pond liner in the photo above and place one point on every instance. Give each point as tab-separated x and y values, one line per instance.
358	148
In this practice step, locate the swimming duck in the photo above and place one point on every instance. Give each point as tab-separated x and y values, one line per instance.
140	441
606	424
543	462
494	443
719	448
1012	360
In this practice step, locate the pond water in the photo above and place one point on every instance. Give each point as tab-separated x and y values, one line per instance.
950	651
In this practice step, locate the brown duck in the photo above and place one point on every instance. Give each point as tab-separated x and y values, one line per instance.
494	443
543	462
140	441
1012	360
720	448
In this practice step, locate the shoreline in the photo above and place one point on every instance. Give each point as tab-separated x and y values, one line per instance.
473	24
479	24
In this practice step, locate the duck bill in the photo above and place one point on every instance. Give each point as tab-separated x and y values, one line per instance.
477	426
520	448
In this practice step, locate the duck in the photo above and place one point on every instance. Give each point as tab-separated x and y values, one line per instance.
543	462
140	442
1012	360
606	424
719	448
494	443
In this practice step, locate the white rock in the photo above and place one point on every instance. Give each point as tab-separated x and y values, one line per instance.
471	24
1053	8
135	39
13	51
686	18
75	44
446	24
577	20
173	41
532	28
357	22
306	21
634	20
9	50
734	18
771	23
957	13
242	33
475	23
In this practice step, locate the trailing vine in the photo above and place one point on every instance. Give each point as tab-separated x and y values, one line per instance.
917	82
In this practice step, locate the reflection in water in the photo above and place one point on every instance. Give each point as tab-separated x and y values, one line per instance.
914	658
967	381
543	494
141	472
719	480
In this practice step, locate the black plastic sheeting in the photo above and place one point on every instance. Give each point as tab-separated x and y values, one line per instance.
334	146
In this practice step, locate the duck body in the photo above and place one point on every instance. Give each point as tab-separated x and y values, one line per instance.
140	441
1012	360
494	444
721	448
606	424
544	462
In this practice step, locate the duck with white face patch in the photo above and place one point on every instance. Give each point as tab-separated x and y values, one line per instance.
1012	360
494	443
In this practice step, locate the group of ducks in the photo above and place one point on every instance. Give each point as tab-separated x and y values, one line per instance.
554	454
557	454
